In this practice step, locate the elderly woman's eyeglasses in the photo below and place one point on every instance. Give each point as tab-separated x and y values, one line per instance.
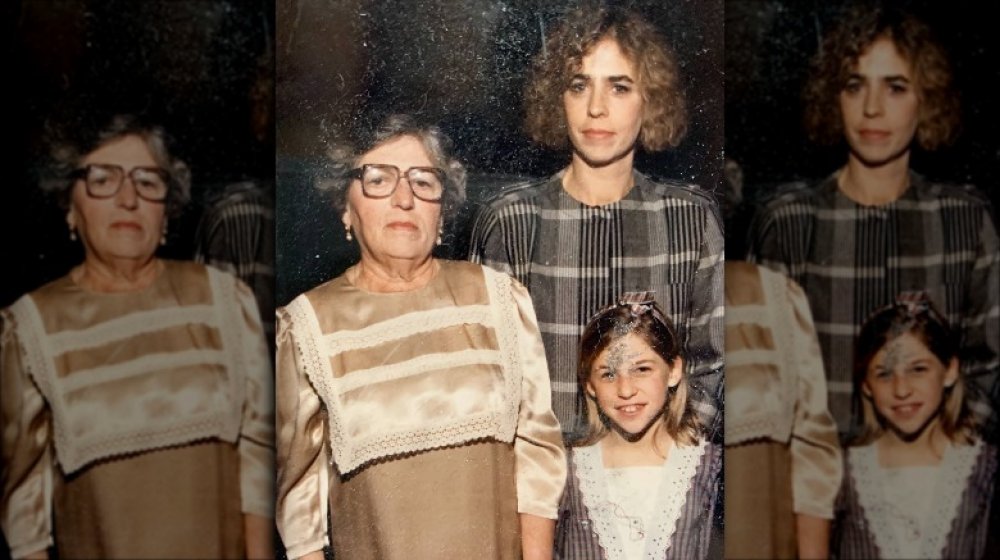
105	180
379	180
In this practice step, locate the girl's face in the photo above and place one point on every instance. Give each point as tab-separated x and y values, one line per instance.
629	380
879	105
906	382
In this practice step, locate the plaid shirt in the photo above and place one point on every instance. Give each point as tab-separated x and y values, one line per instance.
853	259
575	259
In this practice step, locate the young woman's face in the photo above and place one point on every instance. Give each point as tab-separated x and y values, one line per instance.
603	105
629	380
906	383
879	105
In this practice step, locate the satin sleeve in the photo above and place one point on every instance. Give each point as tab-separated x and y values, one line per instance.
538	448
816	457
303	459
26	457
256	443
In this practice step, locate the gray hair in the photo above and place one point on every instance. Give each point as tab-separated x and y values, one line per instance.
343	157
69	146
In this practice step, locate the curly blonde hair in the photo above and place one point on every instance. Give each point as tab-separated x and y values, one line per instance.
664	120
939	108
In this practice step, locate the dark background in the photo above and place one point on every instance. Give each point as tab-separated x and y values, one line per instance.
202	68
768	46
463	66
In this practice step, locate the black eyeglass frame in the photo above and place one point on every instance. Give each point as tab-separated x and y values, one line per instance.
82	173
359	173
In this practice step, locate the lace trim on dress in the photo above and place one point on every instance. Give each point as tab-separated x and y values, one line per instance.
235	344
773	422
952	479
114	438
678	471
505	318
351	453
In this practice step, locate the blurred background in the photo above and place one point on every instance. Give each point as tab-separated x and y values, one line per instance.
768	47
463	66
204	69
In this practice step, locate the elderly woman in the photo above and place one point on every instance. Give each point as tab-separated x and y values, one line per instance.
136	395
413	398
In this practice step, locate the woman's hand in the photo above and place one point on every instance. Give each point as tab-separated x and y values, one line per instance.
259	534
813	535
537	536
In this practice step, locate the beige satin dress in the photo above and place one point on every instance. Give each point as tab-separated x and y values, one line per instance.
420	422
782	453
136	424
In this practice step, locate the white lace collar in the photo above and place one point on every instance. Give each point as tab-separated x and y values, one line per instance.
678	470
951	481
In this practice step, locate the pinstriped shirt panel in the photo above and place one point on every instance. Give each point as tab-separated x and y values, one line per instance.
575	259
852	259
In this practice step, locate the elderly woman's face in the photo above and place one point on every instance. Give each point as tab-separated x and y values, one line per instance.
122	226
398	227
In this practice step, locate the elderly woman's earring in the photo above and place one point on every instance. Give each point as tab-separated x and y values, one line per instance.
440	233
72	233
163	237
71	225
347	229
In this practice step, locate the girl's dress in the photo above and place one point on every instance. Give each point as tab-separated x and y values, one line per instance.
915	512
639	512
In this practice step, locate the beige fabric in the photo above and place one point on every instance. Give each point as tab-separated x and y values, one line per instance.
194	483
760	522
775	388
368	380
92	377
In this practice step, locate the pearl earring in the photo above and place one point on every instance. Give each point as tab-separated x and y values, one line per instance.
163	237
72	233
347	229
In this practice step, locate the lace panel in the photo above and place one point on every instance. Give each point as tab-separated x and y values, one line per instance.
678	471
112	438
952	478
348	453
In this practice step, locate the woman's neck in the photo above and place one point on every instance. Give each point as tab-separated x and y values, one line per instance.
121	275
597	186
651	450
926	450
374	276
874	185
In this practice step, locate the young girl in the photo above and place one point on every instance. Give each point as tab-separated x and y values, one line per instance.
642	484
918	481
